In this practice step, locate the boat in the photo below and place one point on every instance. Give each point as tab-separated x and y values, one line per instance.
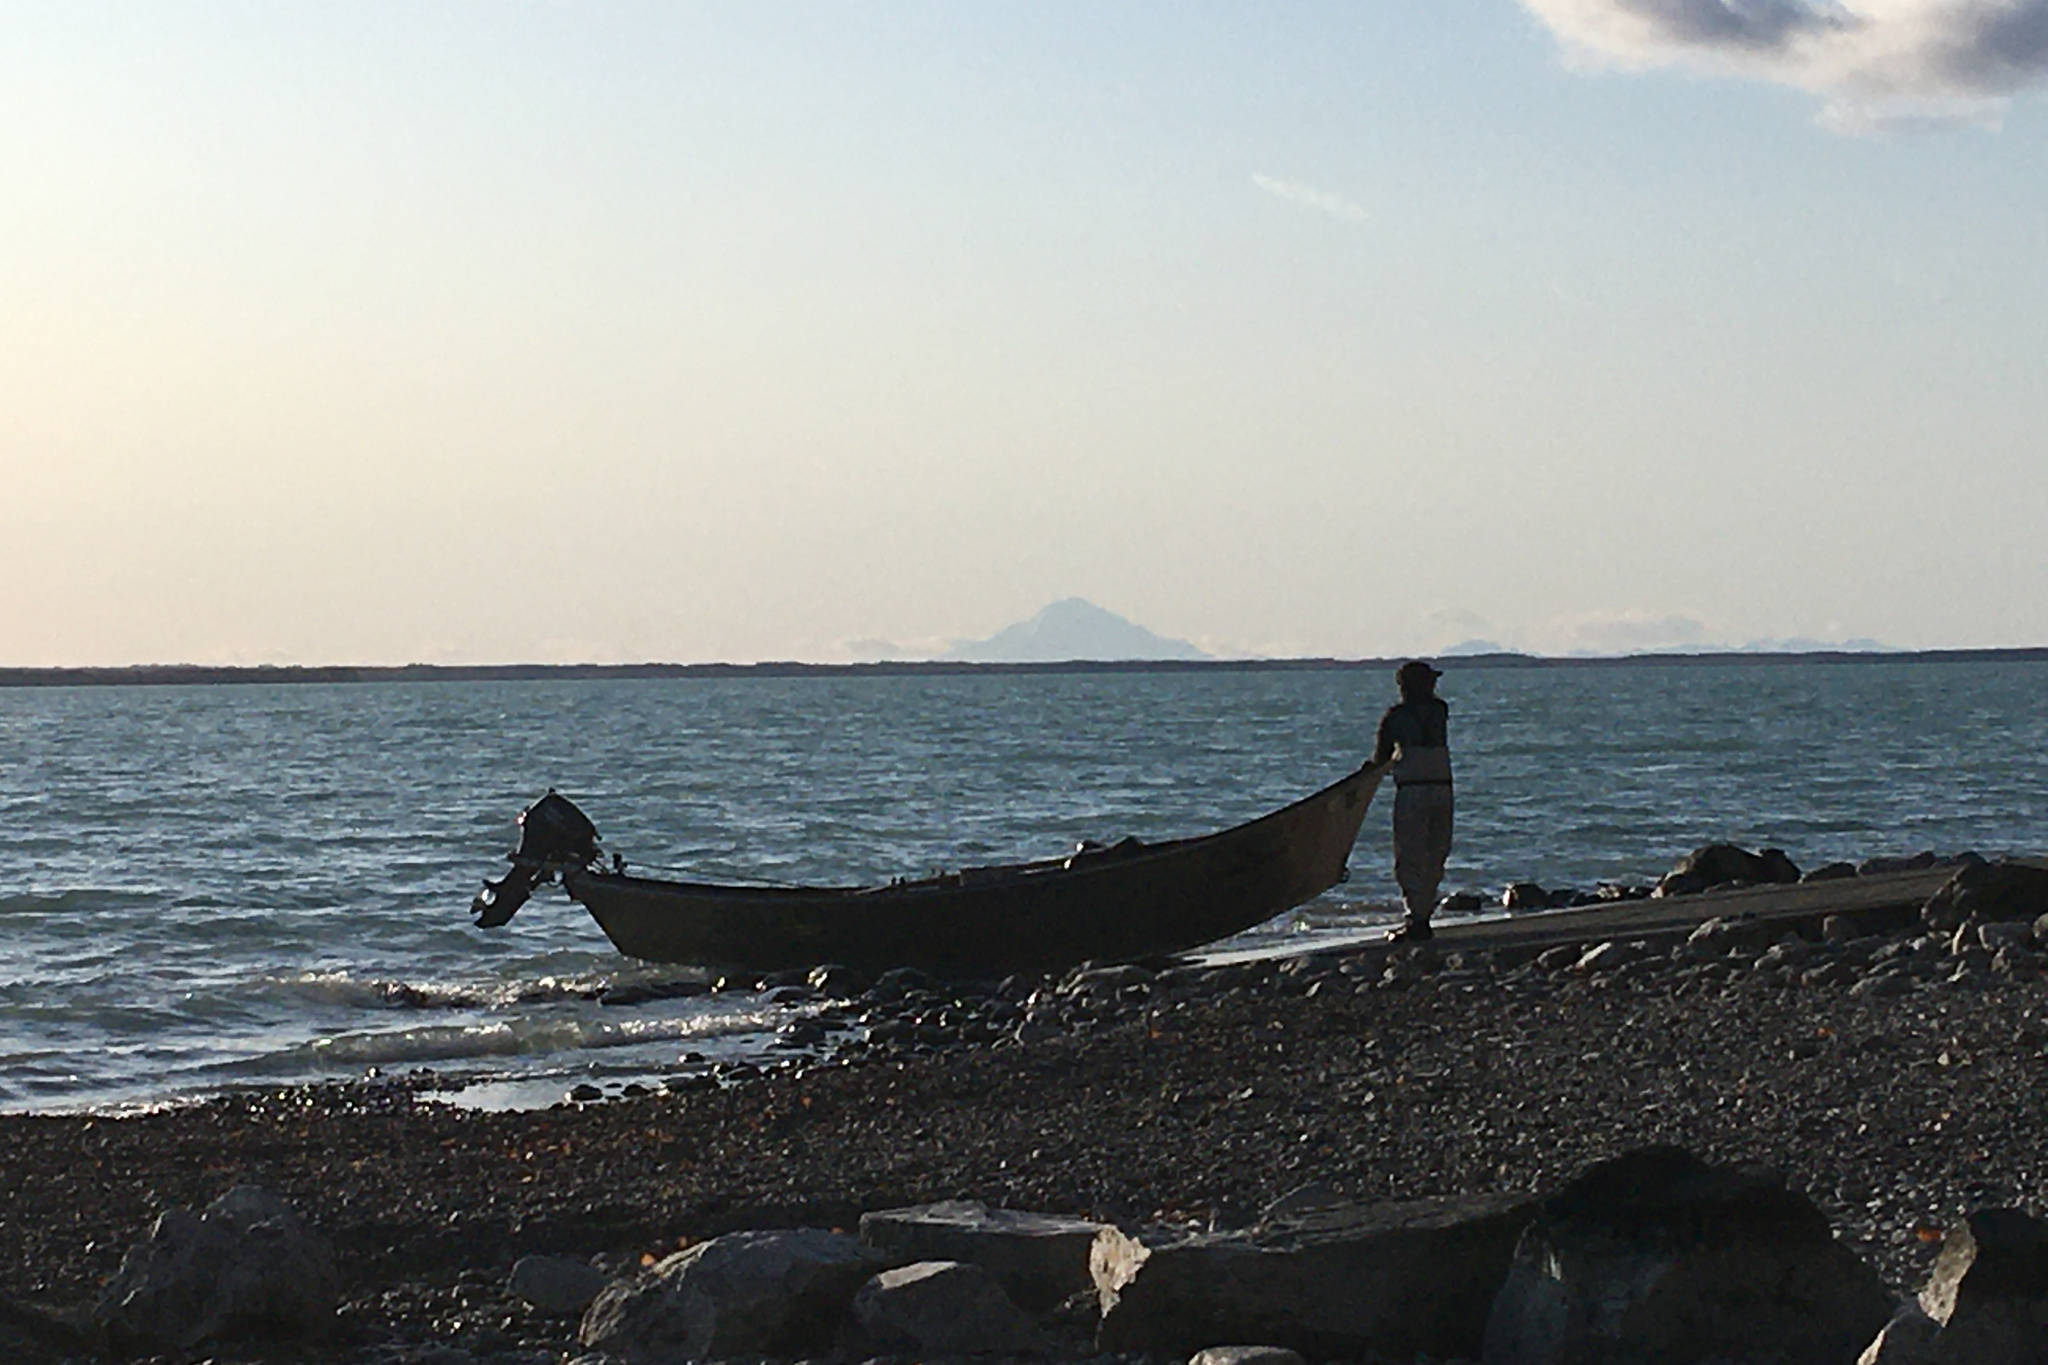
1120	902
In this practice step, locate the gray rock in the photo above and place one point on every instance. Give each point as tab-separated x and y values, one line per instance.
1988	1291
746	1293
1406	966
1917	862
898	982
1904	1340
247	1265
1525	896
559	1285
1830	872
1246	1355
1791	952
1656	1256
1883	983
1105	980
943	1308
1725	864
2015	961
2006	934
1348	1281
1829	974
1718	936
837	982
1605	957
1040	1260
801	1033
1988	891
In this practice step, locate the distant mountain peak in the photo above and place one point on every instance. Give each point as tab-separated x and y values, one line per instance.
1073	628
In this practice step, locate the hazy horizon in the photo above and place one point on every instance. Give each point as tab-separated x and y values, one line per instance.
392	333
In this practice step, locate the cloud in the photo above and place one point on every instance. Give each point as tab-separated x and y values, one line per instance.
1875	63
1620	632
1336	205
876	650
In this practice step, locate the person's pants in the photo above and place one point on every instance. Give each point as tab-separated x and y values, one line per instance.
1422	843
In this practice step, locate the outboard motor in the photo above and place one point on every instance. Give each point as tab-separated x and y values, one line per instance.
553	835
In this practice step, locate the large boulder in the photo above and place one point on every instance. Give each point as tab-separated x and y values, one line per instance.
247	1265
1723	864
1988	891
1657	1257
1346	1281
946	1308
557	1285
744	1294
1039	1259
1989	1291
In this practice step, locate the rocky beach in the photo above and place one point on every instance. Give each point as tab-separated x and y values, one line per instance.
1894	1078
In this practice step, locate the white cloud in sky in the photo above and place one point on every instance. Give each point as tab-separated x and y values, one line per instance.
1874	62
1619	632
1336	205
875	649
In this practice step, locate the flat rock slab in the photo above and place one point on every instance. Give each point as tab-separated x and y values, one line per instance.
1039	1259
1399	1279
945	1308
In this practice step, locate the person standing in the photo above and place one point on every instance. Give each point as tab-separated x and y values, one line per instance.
1415	737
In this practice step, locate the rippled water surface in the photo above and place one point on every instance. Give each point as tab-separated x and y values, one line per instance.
214	885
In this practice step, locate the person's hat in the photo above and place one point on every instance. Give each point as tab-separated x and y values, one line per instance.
1417	670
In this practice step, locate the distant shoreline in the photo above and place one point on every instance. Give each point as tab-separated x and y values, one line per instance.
177	675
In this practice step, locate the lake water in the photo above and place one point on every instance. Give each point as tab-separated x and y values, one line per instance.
210	886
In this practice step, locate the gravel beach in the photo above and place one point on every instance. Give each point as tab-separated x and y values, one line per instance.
1191	1098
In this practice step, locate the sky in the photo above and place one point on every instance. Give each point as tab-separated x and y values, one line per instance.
490	332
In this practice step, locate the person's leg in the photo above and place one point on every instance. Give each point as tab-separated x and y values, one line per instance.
1436	838
1412	861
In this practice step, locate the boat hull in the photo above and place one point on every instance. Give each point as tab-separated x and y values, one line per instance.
1118	904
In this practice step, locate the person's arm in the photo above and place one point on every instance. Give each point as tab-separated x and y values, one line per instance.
1383	750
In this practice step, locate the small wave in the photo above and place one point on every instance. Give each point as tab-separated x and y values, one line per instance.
344	989
508	1038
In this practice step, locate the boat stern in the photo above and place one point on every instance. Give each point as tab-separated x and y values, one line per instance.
554	836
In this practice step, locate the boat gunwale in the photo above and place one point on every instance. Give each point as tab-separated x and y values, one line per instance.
967	880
